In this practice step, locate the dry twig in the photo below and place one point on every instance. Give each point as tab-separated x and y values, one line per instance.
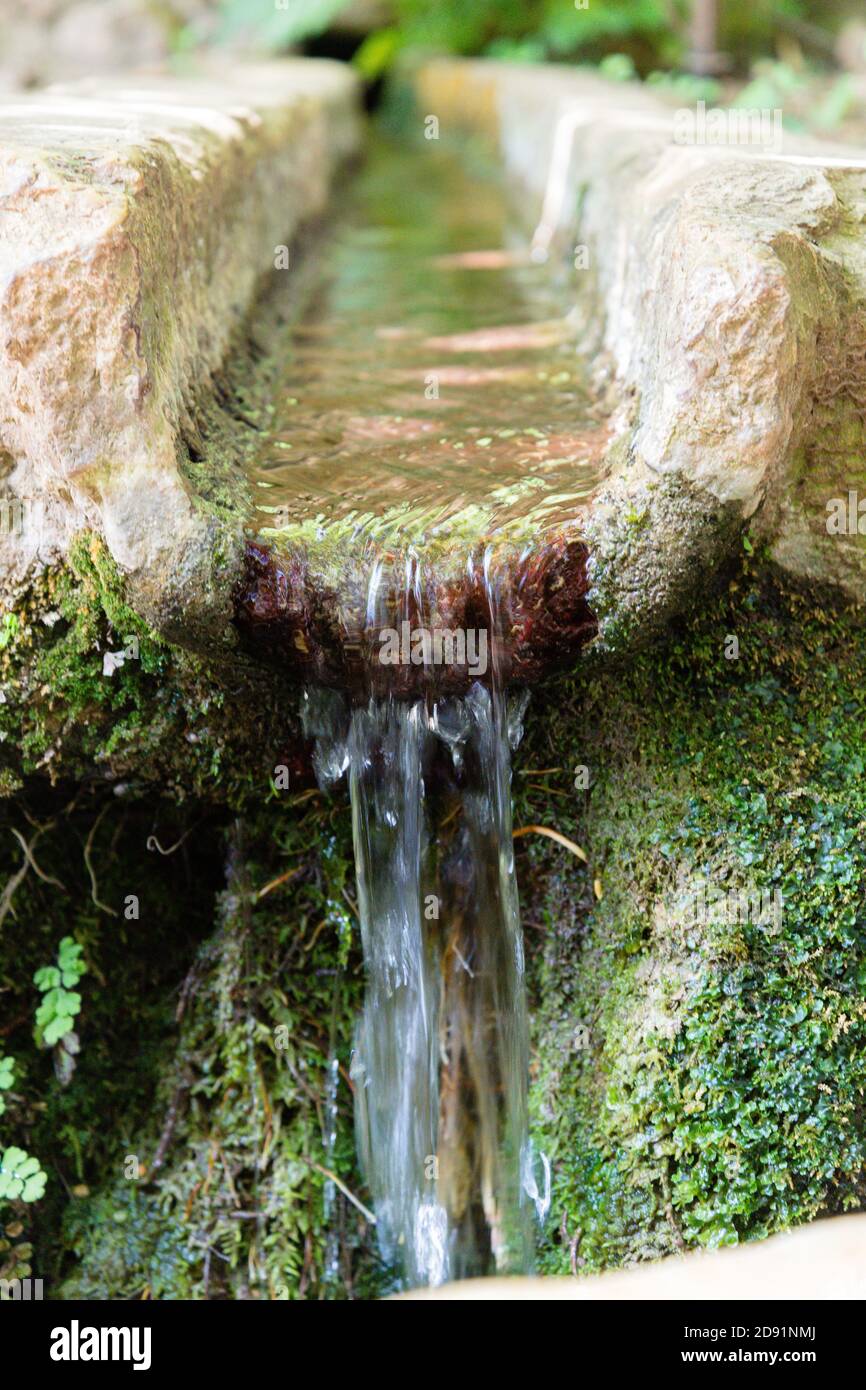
553	835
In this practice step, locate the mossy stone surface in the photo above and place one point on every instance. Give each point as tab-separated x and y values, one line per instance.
701	1082
695	1083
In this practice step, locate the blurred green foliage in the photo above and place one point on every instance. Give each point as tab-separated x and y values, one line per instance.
652	34
535	30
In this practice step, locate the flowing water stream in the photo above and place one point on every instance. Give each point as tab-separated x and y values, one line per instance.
441	1059
433	445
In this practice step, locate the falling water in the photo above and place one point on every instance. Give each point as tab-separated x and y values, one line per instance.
332	1247
441	1058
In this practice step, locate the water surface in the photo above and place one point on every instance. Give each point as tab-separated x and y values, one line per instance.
433	394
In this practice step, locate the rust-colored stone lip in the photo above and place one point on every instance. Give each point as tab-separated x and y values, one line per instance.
533	614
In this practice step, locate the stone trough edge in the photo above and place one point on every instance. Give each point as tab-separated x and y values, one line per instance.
137	218
725	295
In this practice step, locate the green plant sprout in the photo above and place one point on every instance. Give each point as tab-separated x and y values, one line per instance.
61	1003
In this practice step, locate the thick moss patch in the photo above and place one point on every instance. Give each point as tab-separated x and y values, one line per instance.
697	1079
220	976
700	1078
160	716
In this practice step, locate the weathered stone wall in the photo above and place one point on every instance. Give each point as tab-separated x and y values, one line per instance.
725	291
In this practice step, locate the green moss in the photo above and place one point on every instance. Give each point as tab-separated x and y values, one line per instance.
696	1082
163	716
61	1101
102	584
720	1094
185	1151
231	1200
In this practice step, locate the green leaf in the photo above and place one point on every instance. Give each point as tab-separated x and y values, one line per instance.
8	629
377	52
836	104
619	67
47	978
34	1187
57	1029
45	1013
277	26
21	1176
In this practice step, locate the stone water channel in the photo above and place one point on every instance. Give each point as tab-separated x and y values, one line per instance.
430	477
420	490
